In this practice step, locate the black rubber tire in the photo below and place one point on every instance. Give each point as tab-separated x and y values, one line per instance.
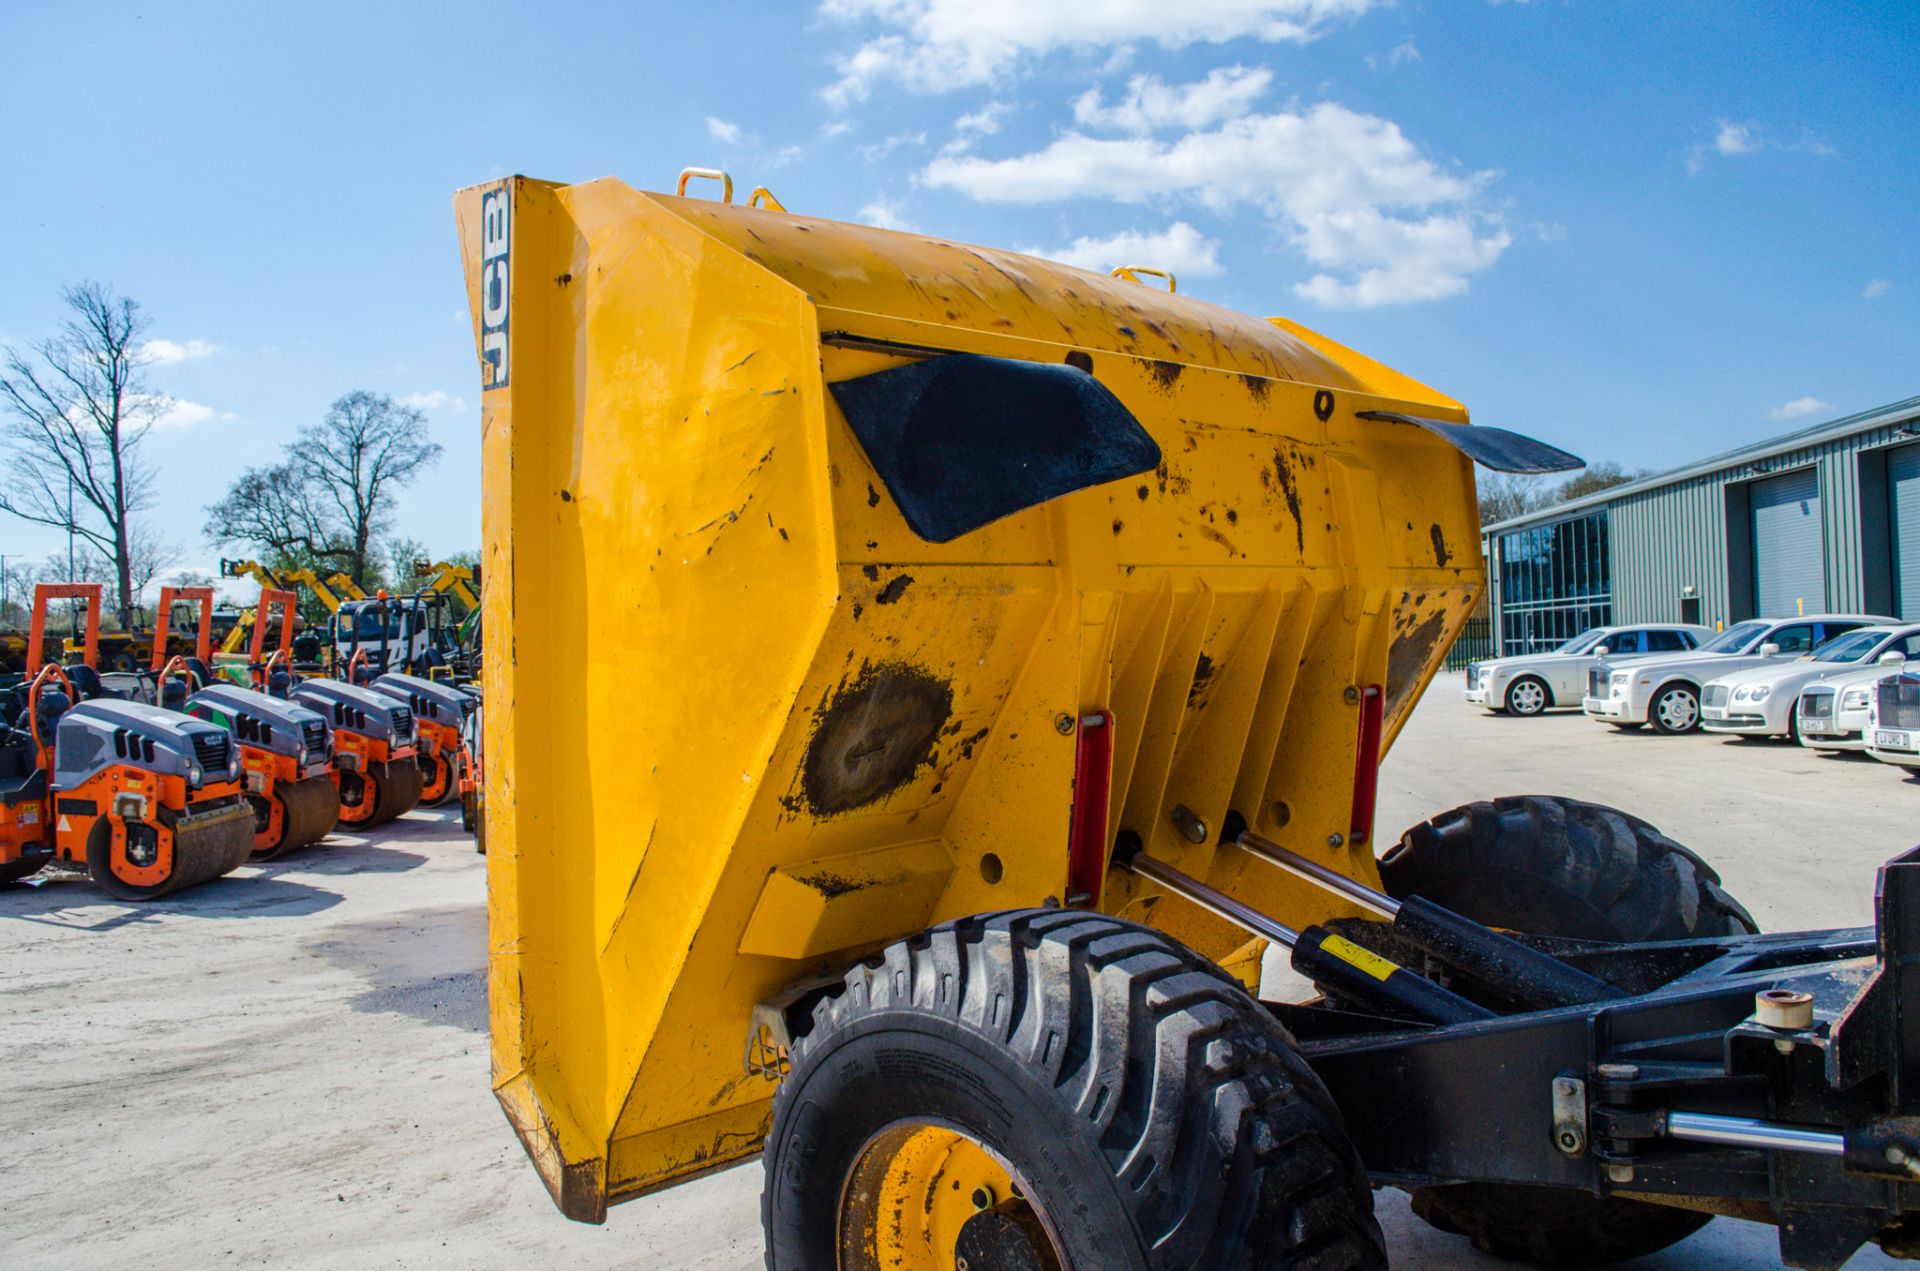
1073	1045
1653	709
1546	697
1560	867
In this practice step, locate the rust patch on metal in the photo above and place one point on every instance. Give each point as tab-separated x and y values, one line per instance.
873	736
1440	553
1165	374
1258	386
1407	657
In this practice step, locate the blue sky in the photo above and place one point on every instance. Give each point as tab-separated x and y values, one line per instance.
1645	232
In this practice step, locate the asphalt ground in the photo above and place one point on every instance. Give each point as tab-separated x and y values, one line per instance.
288	1066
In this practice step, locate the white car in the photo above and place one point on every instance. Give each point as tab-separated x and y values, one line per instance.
1529	683
1764	701
1893	720
1833	712
1664	690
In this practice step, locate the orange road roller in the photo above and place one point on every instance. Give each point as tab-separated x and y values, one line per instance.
440	713
149	801
375	753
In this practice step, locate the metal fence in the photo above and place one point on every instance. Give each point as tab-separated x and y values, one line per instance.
1474	645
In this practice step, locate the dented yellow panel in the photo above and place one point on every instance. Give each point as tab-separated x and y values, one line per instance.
743	723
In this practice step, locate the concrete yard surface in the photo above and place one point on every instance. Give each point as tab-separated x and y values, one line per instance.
288	1066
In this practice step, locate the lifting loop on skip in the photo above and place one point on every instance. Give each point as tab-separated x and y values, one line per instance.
706	174
762	197
1132	274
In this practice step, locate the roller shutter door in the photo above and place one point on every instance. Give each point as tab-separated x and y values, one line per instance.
1789	574
1903	491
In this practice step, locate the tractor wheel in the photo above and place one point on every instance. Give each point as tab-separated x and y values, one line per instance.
1049	1089
437	782
1558	867
1528	696
397	791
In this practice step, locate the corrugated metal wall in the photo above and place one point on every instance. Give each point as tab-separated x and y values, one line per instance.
1666	539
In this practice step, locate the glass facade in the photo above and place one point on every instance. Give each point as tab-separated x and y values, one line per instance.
1555	582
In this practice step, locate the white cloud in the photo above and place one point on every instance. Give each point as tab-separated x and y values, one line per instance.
1733	139
884	213
1799	408
1180	249
838	128
723	131
1876	289
169	352
937	45
1226	92
172	412
1403	53
434	399
983	122
1384	223
881	149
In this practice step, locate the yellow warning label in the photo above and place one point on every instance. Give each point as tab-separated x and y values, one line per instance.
1353	955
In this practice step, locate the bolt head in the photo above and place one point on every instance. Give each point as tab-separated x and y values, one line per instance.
1351	695
1336	840
1063	724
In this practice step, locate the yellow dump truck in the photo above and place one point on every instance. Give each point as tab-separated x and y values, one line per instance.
1006	654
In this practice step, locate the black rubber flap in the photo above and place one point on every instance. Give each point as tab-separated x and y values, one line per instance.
1494	448
961	441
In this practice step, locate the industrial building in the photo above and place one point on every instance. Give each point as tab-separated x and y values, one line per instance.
1825	518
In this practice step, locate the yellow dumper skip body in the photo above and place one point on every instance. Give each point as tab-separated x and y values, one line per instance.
745	726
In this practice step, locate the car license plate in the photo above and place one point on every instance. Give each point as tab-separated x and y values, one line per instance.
1715	712
1893	741
1815	726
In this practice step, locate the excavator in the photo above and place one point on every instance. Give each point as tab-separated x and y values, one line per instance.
147	800
1009	672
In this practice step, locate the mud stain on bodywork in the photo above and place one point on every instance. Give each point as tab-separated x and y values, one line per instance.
874	734
1290	491
1441	554
1414	638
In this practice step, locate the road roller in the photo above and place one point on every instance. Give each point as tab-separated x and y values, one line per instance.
375	766
440	713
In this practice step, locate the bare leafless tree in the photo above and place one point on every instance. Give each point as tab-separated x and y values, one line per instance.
328	502
357	459
71	417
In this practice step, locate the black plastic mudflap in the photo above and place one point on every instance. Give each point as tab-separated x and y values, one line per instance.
1692	1090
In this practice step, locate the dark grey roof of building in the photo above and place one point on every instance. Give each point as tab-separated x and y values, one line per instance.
1831	430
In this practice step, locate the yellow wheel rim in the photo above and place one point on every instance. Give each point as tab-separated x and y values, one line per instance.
911	1191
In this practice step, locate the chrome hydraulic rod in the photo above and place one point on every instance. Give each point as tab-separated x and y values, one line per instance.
1212	899
1315	872
1330	960
1707	1127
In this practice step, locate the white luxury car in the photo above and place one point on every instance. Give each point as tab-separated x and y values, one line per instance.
1664	690
1764	701
1529	683
1893	720
1833	711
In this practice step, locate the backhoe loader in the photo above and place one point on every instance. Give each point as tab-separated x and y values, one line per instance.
146	800
1007	654
286	750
